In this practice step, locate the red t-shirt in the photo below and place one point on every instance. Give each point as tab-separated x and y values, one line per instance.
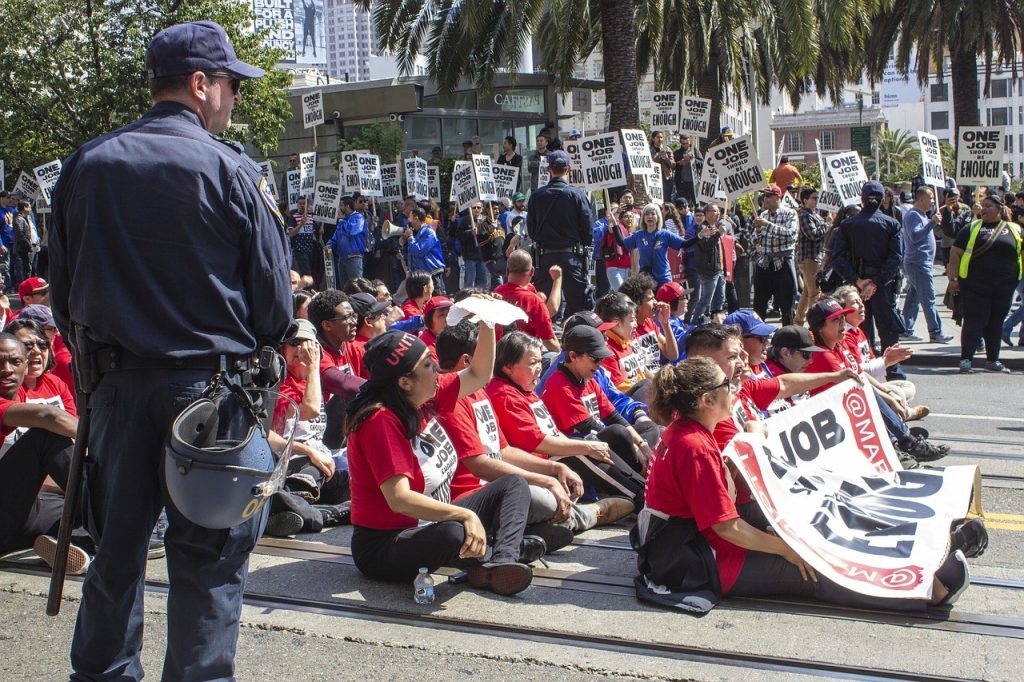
855	340
538	323
832	360
522	415
755	396
411	309
378	450
645	343
348	358
427	337
62	362
5	405
624	260
688	479
473	429
626	366
51	390
570	403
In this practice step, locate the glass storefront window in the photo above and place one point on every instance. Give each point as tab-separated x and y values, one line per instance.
527	100
423	134
454	131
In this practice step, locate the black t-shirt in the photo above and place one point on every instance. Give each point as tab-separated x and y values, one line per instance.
997	264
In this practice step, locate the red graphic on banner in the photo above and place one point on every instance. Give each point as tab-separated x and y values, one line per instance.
865	431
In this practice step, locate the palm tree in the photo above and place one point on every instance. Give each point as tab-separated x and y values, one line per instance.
963	29
895	147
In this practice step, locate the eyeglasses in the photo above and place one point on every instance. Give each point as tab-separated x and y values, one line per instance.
726	382
593	357
806	354
762	339
342	318
38	345
295	343
236	83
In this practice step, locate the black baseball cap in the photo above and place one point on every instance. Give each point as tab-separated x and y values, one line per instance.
558	160
586	339
795	337
366	305
590	319
195	46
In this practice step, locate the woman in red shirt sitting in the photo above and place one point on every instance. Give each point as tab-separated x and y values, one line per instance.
401	464
692	540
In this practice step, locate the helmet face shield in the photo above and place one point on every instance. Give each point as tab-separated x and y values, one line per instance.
219	463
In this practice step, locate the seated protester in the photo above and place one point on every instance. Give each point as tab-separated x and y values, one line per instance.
371	317
855	339
520	292
313	474
435	319
695	536
826	319
28	515
485	455
791	351
401	464
580	409
625	366
419	287
361	285
41	385
300	304
41	315
673	294
652	242
755	333
650	340
423	248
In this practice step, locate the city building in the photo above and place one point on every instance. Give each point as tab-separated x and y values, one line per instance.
351	41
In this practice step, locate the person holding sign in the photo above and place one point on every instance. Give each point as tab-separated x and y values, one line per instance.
348	242
653	242
774	241
688	159
666	161
423	248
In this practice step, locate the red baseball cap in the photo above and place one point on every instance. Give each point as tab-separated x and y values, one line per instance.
436	302
32	285
669	292
774	190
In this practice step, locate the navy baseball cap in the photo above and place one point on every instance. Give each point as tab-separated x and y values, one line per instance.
195	46
558	159
749	323
681	202
872	187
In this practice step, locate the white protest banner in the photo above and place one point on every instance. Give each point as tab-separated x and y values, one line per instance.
828	198
506	179
484	177
294	181
651	186
350	170
789	201
369	175
313	109
665	111
709	188
326	198
737	167
848	176
822	171
390	183
778	151
694	115
46	177
26	186
464	188
267	169
434	183
601	158
575	175
931	160
416	183
543	176
638	152
979	156
827	478
307	165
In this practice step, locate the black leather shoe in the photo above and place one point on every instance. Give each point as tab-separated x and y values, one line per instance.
531	548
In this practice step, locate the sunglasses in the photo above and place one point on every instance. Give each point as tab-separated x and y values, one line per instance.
762	339
39	345
236	83
726	382
344	318
295	343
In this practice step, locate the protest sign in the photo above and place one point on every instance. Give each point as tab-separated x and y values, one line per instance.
416	182
543	176
3	176
307	165
979	156
267	169
694	115
931	160
575	175
651	186
350	170
326	198
709	188
789	202
778	151
313	109
665	111
369	175
737	167
46	177
828	479
294	181
601	158
26	186
464	187
434	183
484	177
638	152
506	179
847	175
390	183
828	198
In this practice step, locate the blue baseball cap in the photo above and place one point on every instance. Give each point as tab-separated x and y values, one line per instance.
749	323
196	46
872	187
558	160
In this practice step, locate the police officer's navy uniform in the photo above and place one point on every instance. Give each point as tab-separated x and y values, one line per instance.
169	250
558	219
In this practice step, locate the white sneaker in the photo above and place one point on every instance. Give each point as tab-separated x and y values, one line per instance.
78	559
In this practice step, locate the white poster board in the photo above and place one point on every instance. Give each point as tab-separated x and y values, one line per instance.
267	170
307	165
694	115
484	177
979	156
350	170
26	186
369	175
737	166
434	183
848	177
326	198
464	187
293	178
638	152
601	158
709	188
313	109
665	111
416	182
931	160
46	177
575	175
390	183
506	180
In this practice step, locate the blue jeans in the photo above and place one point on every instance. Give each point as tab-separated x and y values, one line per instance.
897	428
1016	318
921	294
477	275
348	268
712	294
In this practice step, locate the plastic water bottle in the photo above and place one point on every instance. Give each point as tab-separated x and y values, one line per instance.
423	588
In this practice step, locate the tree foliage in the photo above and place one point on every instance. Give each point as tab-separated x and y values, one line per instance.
386	140
74	70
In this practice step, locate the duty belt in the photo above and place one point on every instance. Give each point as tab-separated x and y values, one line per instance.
568	249
115	359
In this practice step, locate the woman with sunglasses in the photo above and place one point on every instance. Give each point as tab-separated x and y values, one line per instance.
401	465
693	540
40	384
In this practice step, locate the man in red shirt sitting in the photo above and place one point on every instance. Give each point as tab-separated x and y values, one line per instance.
371	317
520	292
341	362
435	319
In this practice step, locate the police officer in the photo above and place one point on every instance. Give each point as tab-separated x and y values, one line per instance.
167	249
558	221
867	249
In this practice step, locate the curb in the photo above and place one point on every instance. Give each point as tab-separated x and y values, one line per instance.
930	360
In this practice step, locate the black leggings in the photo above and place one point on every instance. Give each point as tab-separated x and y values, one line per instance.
398	555
621	478
985	308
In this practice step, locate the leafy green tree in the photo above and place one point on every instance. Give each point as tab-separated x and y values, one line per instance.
74	70
383	139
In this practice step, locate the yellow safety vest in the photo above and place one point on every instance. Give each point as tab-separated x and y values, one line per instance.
965	260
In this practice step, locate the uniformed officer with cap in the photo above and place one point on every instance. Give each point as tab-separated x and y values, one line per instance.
558	219
168	252
867	250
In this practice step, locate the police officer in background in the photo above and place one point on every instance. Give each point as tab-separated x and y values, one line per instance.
867	250
558	220
167	249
